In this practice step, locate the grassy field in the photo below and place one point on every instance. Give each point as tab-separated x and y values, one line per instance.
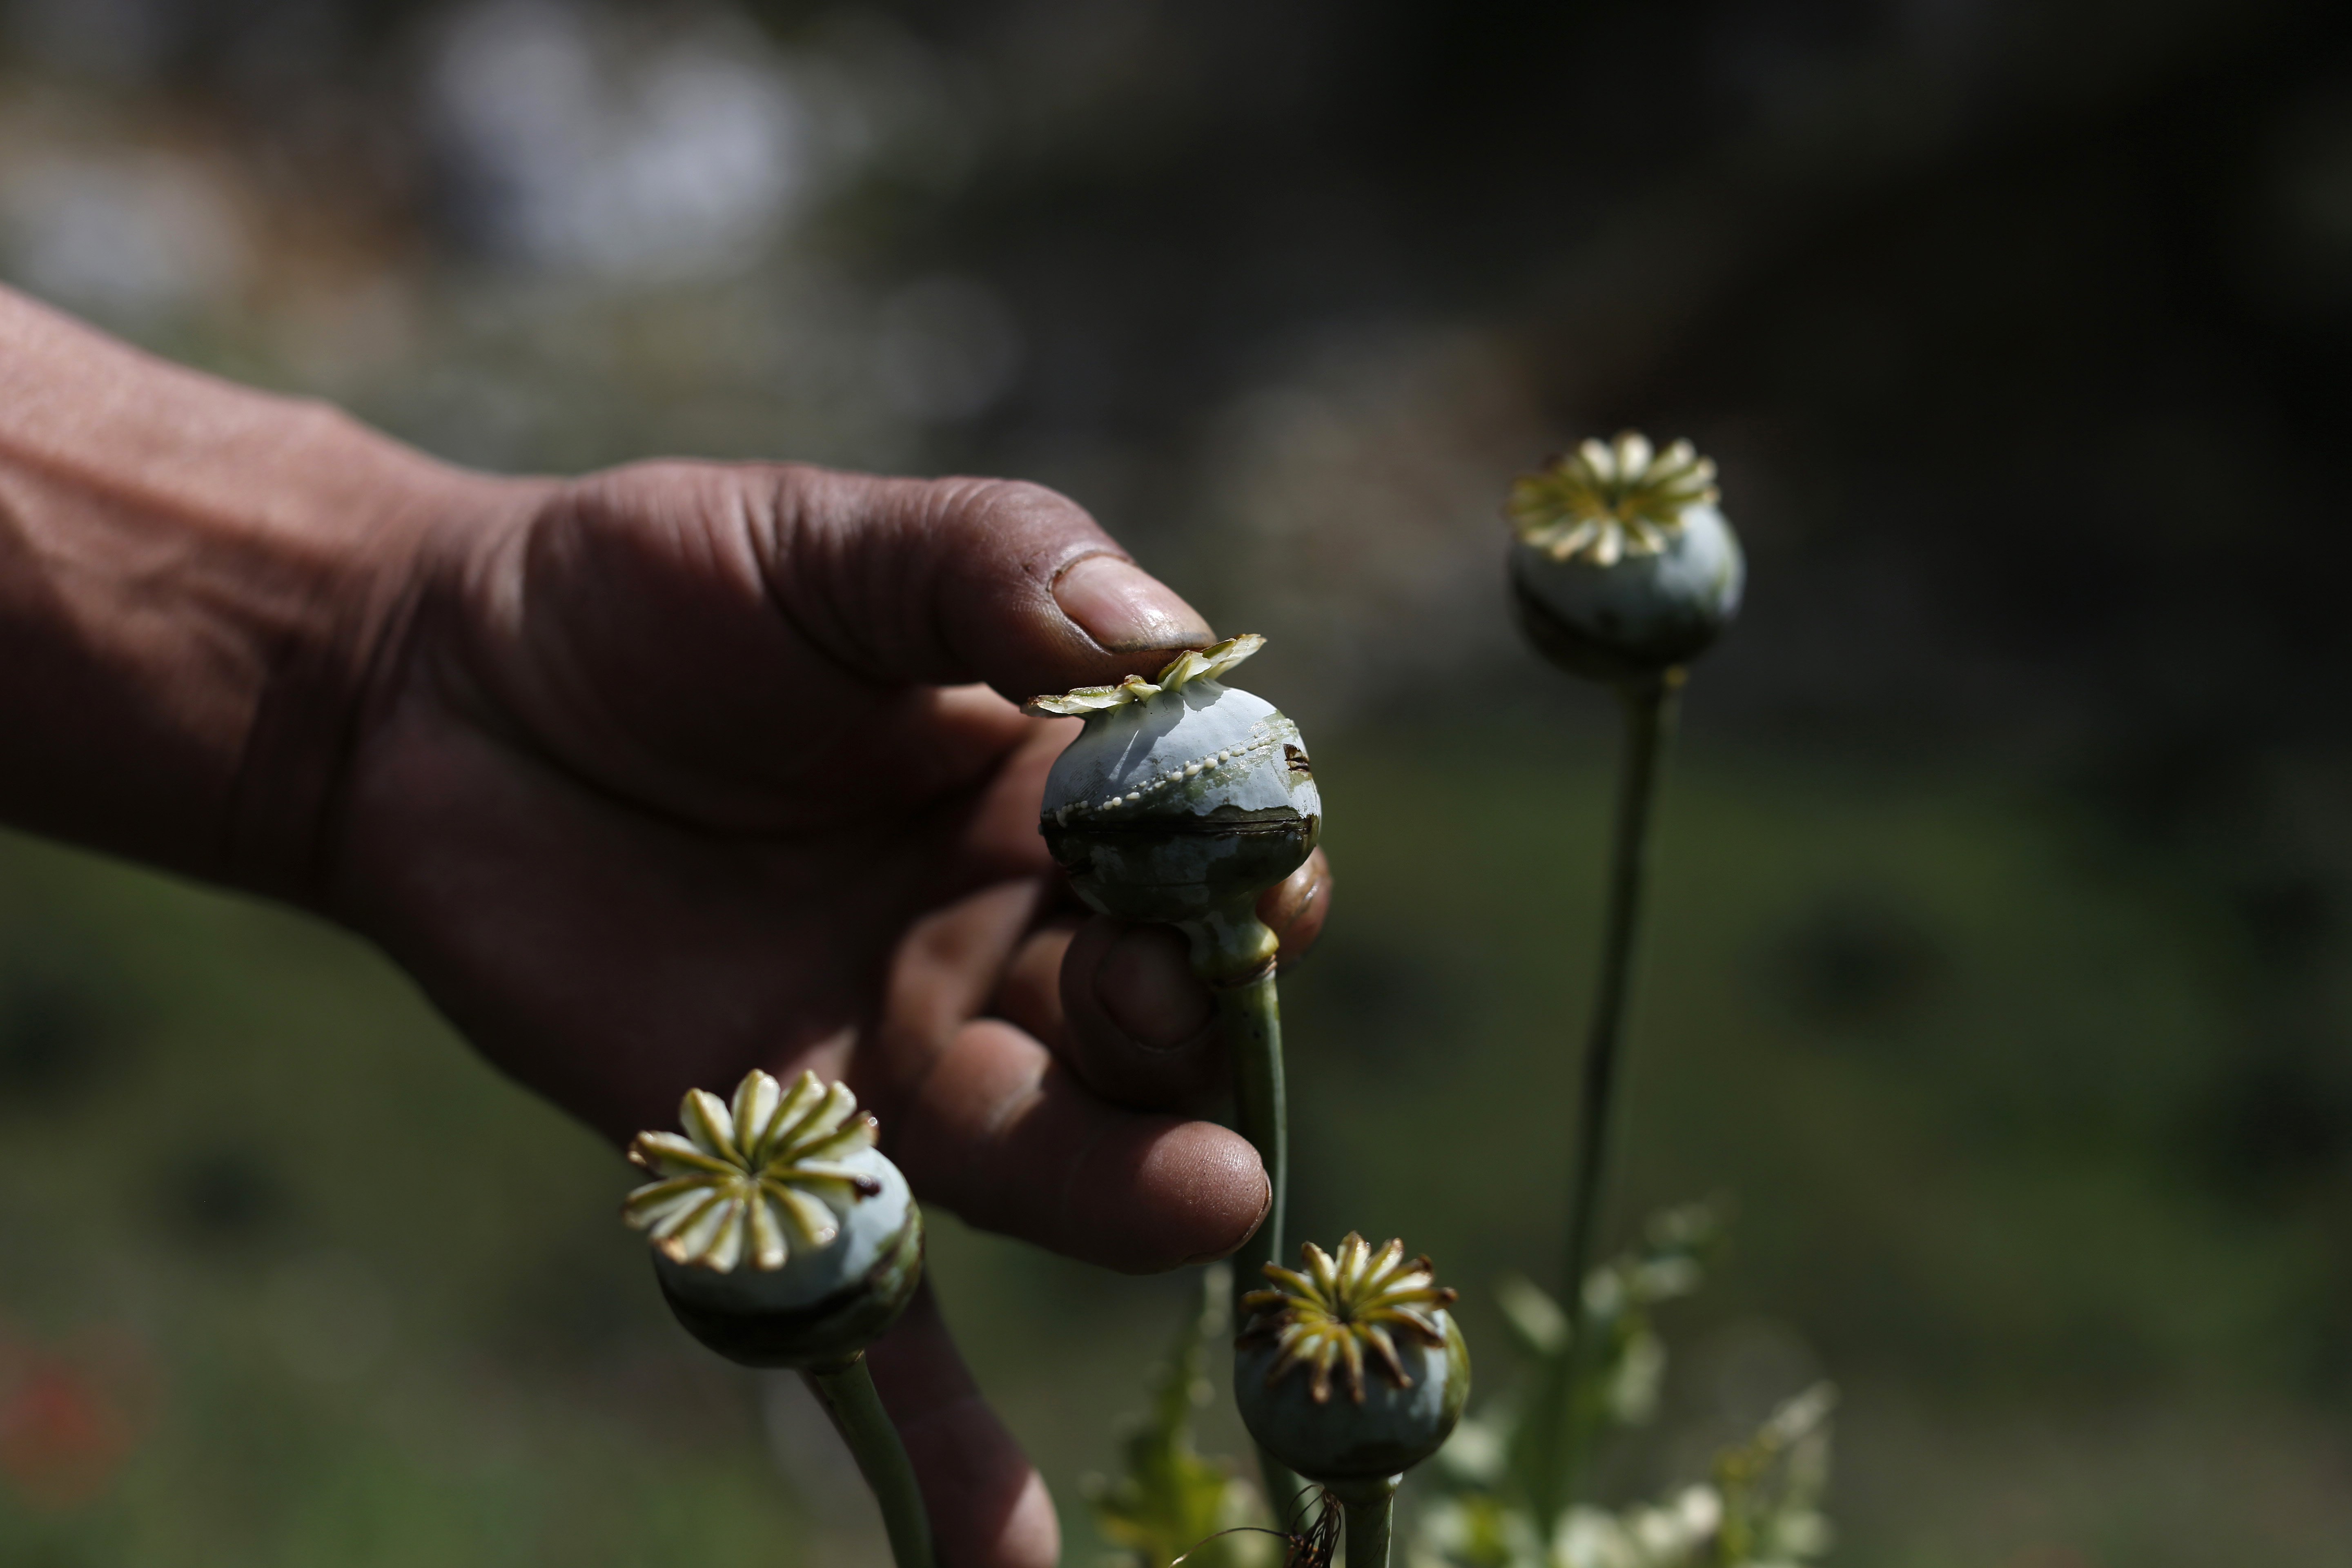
1942	1054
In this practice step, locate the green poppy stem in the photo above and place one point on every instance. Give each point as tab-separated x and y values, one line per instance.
1648	720
1368	1508
1234	953
846	1390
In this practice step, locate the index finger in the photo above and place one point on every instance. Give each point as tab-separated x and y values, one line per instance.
987	1123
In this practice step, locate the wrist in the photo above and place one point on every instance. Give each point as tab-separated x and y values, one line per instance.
195	581
325	611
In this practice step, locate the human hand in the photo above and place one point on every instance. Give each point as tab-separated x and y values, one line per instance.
683	769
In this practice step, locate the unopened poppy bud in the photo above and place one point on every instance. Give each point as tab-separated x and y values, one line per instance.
1182	796
1623	566
1350	1369
782	1235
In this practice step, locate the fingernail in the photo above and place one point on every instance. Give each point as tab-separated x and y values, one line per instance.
1294	908
1145	984
1125	608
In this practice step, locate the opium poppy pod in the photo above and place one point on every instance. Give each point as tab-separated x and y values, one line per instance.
1623	567
1350	1369
782	1235
1181	797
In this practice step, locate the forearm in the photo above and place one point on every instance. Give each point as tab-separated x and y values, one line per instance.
193	578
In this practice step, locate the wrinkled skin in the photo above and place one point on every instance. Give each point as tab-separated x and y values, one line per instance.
680	770
648	778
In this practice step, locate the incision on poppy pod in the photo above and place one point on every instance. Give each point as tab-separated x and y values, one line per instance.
1183	799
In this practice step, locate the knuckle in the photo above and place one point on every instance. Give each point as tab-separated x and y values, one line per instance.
1021	505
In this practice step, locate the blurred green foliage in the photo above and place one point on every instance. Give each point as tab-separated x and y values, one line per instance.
1165	1502
1758	1508
2013	326
1934	1045
233	1193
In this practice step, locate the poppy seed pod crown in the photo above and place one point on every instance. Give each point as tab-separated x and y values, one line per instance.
782	1235
1623	566
1181	797
1350	1368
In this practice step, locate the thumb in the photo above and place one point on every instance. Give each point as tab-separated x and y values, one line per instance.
946	581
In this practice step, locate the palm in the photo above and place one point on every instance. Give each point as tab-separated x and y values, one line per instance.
636	832
642	808
666	781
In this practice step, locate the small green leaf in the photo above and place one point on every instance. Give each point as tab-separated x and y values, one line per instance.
1759	1508
1771	1487
1618	1374
1536	1320
1168	1501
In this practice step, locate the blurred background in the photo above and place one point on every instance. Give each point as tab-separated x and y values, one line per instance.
1998	974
